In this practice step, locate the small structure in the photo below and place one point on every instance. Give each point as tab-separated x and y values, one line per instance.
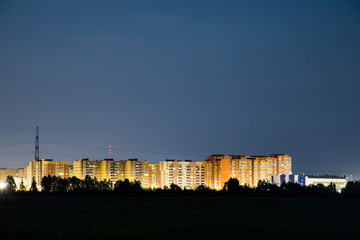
306	180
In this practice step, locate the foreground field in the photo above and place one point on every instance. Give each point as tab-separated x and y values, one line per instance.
70	217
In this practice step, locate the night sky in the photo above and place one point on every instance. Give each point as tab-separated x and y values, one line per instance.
184	79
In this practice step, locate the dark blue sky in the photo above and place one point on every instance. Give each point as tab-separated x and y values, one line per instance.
185	77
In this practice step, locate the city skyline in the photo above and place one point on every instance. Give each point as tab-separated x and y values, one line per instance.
187	78
179	119
106	155
213	172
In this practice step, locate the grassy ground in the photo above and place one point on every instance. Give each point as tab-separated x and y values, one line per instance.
74	217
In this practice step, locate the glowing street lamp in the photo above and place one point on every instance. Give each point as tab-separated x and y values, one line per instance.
2	185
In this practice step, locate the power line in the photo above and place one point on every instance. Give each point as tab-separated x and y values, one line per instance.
12	165
125	150
70	155
14	144
13	155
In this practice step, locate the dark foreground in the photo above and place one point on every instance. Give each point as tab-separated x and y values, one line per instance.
96	217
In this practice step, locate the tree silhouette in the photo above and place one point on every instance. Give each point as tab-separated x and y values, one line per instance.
46	184
33	187
10	184
89	184
105	185
22	186
291	189
126	187
232	185
352	189
331	190
75	184
203	190
175	188
265	188
61	184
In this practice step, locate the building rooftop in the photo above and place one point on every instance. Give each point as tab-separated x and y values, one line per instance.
326	176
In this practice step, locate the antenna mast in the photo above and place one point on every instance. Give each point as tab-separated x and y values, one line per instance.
37	144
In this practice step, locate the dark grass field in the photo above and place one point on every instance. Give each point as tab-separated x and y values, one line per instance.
98	217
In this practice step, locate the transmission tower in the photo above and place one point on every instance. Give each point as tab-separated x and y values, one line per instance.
37	144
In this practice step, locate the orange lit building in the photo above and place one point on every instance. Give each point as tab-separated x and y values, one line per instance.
154	175
247	169
47	167
106	169
83	167
185	174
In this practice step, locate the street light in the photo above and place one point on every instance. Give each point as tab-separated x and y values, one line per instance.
2	186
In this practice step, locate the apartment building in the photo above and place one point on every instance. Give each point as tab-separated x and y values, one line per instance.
136	170
84	167
247	169
46	167
108	169
154	175
112	170
185	174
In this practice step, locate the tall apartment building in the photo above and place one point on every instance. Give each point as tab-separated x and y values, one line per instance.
83	167
112	170
247	169
47	167
106	169
185	174
136	170
131	169
154	175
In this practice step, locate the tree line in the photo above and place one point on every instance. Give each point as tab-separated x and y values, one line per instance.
74	185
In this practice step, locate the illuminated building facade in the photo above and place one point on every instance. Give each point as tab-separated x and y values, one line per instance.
112	170
47	167
185	174
136	170
83	167
247	169
18	175
4	172
154	175
306	180
217	171
108	169
213	172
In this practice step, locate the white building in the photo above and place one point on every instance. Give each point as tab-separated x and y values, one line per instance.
306	180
